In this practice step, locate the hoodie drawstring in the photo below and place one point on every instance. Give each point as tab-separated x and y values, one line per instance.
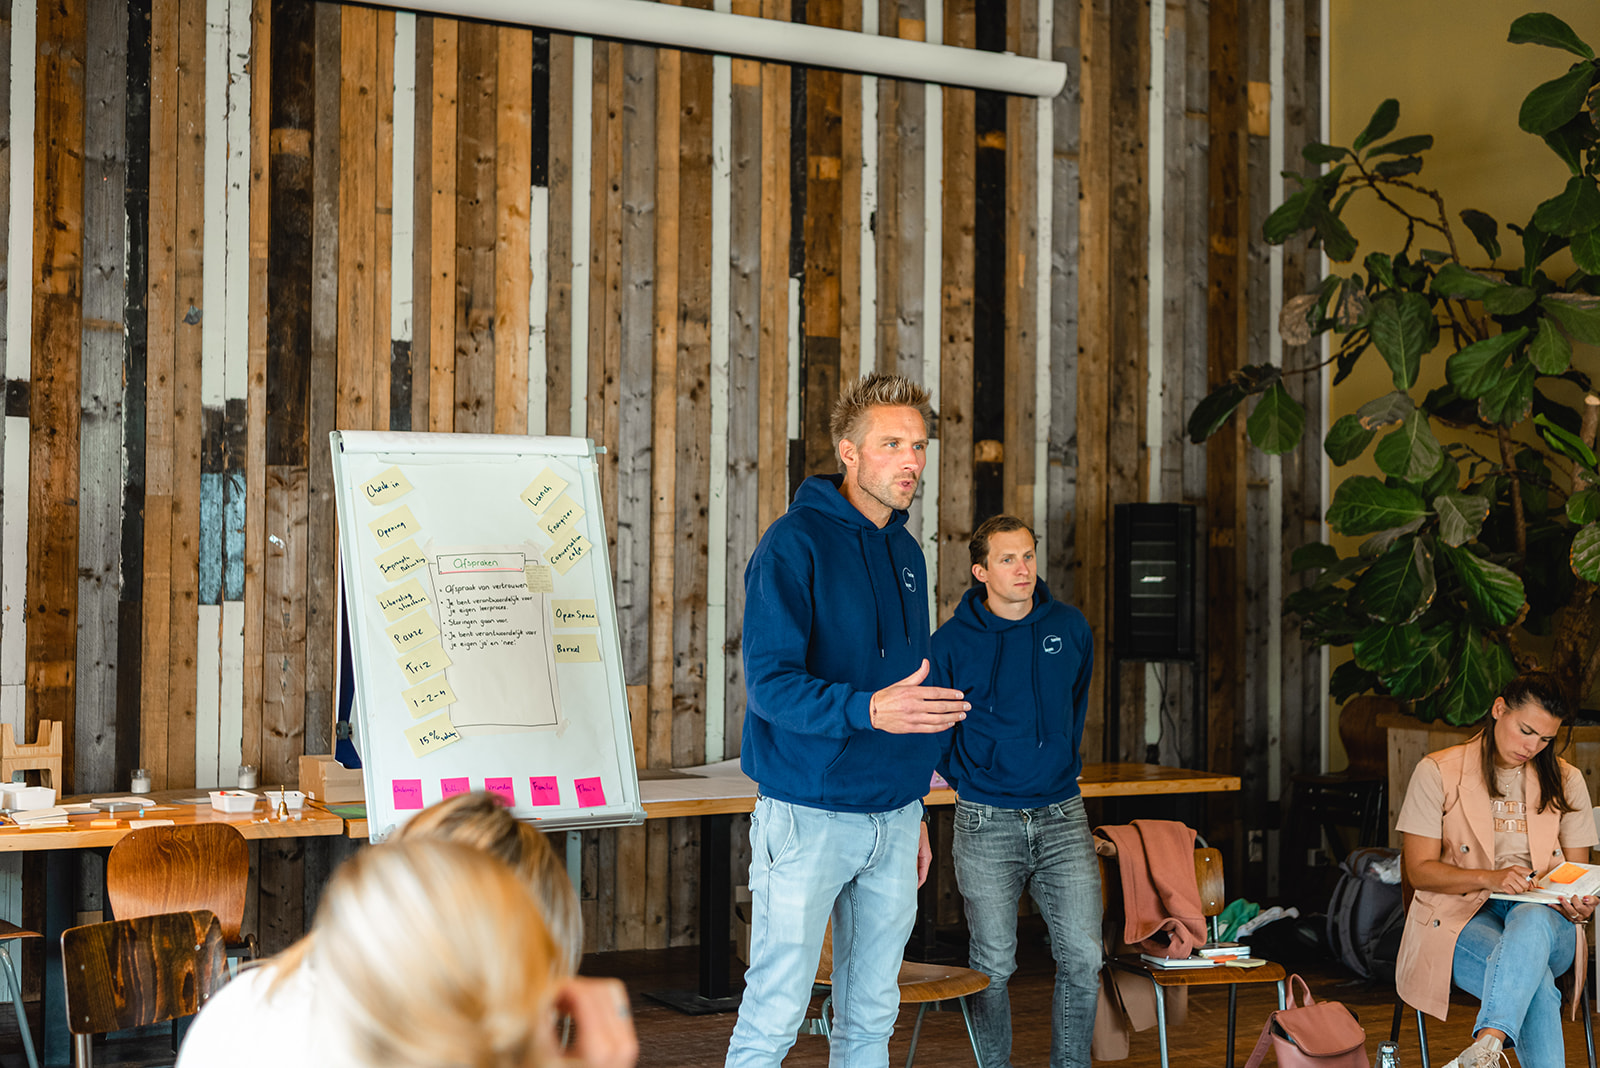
877	608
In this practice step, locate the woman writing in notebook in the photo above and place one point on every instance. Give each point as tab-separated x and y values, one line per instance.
1493	816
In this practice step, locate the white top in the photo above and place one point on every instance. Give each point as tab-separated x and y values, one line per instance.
243	1027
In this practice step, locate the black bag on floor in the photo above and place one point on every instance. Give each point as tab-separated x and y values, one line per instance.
1363	913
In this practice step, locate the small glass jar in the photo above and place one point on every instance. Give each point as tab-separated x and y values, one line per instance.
247	777
141	781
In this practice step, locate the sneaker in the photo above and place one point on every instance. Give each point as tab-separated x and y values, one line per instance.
1484	1053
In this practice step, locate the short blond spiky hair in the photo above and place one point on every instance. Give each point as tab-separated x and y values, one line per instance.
875	390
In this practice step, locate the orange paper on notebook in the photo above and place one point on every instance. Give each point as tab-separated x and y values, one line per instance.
1566	873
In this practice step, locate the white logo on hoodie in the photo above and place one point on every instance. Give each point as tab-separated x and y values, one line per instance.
909	579
1051	644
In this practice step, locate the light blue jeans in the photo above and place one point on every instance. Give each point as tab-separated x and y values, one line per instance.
807	864
999	852
1508	957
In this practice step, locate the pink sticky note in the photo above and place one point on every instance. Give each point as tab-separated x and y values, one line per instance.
590	792
407	793
451	787
544	790
501	788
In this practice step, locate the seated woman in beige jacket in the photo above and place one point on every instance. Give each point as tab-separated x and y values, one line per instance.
1491	816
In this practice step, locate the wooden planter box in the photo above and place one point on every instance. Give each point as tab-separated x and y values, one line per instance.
1410	740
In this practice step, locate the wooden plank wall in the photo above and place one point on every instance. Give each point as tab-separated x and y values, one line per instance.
255	221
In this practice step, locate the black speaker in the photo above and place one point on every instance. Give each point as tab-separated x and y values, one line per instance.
1153	582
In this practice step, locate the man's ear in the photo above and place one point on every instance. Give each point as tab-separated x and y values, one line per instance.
980	573
847	452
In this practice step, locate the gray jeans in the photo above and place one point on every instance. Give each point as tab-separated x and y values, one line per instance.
999	852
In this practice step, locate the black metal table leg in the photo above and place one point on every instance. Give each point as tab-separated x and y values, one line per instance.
715	992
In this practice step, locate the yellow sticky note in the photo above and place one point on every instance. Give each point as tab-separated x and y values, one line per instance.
429	696
432	735
400	561
426	660
406	597
563	554
562	517
577	648
412	630
539	580
391	485
574	613
542	491
394	527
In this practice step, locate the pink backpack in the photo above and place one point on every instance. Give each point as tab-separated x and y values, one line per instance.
1313	1034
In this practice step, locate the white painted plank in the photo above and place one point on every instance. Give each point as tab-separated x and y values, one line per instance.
19	253
13	567
208	696
236	371
214	197
230	720
792	421
1044	206
932	292
869	208
538	306
401	180
1274	546
717	505
1155	310
582	149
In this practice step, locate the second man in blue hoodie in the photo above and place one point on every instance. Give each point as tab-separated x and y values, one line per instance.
1023	660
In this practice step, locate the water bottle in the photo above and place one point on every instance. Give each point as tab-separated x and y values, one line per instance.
1388	1056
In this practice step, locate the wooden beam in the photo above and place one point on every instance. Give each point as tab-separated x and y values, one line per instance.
558	320
476	226
442	148
513	157
772	466
823	222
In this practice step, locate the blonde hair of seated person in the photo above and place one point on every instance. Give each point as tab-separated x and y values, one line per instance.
482	821
431	953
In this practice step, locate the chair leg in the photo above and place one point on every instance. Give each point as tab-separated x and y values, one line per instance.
1588	1027
1233	1007
1161	1022
82	1051
1422	1039
916	1031
972	1034
16	1003
1282	1001
1394	1028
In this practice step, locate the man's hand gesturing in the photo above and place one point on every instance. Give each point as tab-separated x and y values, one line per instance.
908	707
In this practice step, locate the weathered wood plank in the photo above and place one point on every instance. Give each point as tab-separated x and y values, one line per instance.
850	178
1021	276
284	639
664	423
773	452
476	225
609	151
381	349
901	293
422	226
558	319
442	148
820	297
513	156
354	120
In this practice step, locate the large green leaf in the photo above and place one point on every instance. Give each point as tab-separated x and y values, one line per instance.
1398	168
1349	679
1364	505
1454	280
1586	251
1485	229
1379	543
1392	589
1346	439
1380	125
1276	424
1319	153
1403	328
1574	210
1495	592
1477	368
1508	300
1510	399
1586	553
1583	507
1411	451
1209	415
1461	516
1565	442
1403	146
1544	29
1386	410
1386	647
1550	351
1429	666
1290	217
1577	316
1555	102
1482	667
1568	142
1313	554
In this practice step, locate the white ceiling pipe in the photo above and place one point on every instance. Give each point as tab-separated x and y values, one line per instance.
770	39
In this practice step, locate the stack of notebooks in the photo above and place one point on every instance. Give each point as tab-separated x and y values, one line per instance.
54	816
1210	955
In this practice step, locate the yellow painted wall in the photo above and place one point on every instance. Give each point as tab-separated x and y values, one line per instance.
1449	65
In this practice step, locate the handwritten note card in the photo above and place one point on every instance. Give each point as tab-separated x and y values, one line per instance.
544	789
451	787
563	554
502	789
406	597
395	527
400	561
562	517
575	614
590	793
430	695
577	648
418	664
542	491
432	735
411	631
407	793
539	579
391	485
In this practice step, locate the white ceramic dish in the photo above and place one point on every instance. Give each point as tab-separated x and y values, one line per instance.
292	799
233	800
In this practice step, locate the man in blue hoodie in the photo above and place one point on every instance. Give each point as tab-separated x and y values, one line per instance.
1023	660
840	734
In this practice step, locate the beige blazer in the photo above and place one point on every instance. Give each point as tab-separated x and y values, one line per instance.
1434	920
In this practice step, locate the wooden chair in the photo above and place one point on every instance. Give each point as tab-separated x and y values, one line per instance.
174	869
1208	877
920	984
132	973
43	756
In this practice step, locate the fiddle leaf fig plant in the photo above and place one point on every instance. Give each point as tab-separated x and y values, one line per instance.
1481	532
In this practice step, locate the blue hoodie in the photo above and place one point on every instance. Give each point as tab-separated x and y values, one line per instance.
835	610
1028	682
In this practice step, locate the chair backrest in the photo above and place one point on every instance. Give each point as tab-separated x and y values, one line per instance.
174	869
1207	879
129	973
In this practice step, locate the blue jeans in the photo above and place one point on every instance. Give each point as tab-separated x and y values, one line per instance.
998	852
1508	957
805	865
